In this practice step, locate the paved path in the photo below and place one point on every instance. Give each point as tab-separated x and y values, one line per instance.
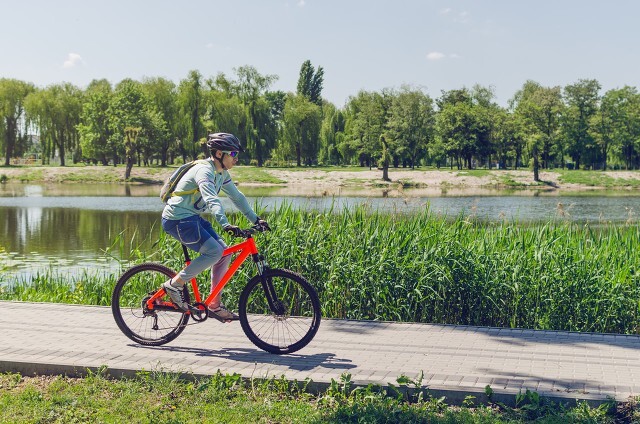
456	360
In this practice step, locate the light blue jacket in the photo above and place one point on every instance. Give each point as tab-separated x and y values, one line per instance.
204	177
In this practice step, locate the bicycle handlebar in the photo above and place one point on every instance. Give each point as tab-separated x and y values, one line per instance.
248	232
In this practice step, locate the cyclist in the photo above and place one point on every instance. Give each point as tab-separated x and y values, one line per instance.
196	192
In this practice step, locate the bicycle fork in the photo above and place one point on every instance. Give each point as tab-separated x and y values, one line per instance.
276	306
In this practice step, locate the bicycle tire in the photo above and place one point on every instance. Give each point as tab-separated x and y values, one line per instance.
285	332
127	301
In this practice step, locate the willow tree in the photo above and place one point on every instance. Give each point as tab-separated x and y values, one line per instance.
191	107
12	96
56	112
300	129
250	88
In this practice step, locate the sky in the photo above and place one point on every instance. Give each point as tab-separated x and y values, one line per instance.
361	45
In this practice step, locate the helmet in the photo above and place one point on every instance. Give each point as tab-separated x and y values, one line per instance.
224	141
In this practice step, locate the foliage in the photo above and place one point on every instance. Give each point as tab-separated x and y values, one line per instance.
464	127
382	265
157	396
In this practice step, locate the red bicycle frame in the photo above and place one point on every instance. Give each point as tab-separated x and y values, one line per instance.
245	249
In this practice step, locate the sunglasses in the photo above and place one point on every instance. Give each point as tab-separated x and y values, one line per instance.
232	154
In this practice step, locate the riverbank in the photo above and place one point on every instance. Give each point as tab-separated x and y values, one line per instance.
327	178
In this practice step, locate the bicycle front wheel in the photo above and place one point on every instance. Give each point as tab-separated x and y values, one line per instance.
279	311
152	327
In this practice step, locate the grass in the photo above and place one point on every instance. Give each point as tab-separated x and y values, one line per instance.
160	397
246	174
596	179
381	265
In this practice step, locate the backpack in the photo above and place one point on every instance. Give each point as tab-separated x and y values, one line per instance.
169	186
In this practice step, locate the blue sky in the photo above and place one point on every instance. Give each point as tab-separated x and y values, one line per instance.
362	45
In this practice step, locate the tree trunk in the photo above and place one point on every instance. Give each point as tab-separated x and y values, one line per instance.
127	172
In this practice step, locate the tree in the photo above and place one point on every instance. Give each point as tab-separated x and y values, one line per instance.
249	87
582	103
189	128
456	125
310	82
12	95
366	117
94	128
616	126
130	120
331	134
539	110
300	130
162	94
410	124
56	112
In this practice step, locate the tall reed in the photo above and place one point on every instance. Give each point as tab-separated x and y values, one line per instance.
420	267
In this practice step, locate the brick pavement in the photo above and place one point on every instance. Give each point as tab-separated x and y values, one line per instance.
46	338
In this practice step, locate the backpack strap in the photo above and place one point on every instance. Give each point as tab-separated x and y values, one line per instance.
197	189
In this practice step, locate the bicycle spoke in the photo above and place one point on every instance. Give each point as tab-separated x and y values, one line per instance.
130	310
298	321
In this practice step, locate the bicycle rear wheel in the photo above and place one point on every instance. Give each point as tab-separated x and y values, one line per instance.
128	304
290	322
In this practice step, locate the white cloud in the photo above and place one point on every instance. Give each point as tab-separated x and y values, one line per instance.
462	17
301	3
73	60
210	45
435	56
439	56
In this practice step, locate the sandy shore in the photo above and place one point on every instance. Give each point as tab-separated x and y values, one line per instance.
319	180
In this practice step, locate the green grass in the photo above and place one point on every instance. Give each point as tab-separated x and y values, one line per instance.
246	174
424	268
473	173
157	397
596	179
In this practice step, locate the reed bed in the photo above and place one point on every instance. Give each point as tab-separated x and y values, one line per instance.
420	267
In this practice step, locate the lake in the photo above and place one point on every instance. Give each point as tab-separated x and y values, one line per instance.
66	228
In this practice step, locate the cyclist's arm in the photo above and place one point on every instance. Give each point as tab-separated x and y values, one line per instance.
238	198
208	184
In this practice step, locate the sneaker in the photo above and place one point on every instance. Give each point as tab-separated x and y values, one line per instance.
177	296
222	314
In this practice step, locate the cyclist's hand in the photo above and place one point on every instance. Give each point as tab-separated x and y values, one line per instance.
234	231
262	225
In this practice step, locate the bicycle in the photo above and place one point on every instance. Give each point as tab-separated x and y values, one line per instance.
279	310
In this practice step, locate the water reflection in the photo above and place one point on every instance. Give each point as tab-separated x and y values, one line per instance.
68	227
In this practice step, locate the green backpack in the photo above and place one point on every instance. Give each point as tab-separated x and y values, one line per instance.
169	186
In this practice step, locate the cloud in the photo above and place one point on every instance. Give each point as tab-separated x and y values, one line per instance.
439	56
301	3
460	17
435	56
73	60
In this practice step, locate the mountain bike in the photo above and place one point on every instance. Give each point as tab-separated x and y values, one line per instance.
278	309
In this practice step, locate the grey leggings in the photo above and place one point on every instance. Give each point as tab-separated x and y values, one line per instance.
210	256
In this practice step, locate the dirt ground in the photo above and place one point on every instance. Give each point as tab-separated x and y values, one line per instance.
331	181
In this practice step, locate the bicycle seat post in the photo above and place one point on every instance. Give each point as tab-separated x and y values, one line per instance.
187	258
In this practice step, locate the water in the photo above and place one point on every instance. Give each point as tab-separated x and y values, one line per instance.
71	228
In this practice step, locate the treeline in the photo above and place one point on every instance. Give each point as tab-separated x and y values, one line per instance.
158	121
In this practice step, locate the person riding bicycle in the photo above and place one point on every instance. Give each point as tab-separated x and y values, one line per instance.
196	192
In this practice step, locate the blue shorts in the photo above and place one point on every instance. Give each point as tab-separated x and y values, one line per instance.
192	231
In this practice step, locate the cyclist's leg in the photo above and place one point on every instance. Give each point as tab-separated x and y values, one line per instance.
194	233
217	272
